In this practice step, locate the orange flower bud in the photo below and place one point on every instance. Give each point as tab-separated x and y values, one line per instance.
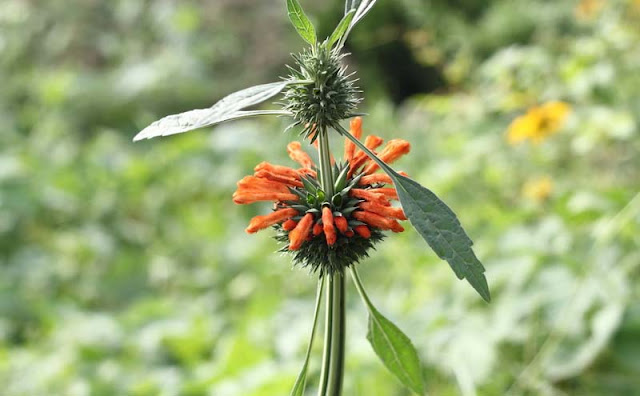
386	211
349	234
327	223
261	222
289	225
375	220
363	231
341	223
356	130
299	234
394	149
297	154
375	179
317	229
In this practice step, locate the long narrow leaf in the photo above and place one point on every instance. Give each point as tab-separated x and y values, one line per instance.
362	7
436	223
226	109
301	22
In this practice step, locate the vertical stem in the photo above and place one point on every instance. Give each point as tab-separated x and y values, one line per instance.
326	173
336	373
328	325
334	338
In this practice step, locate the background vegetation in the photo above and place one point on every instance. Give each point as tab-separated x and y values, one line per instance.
124	269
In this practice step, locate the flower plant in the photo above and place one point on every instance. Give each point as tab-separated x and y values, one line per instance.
331	214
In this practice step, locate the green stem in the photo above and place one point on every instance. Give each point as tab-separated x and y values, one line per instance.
326	173
360	288
326	354
332	371
336	373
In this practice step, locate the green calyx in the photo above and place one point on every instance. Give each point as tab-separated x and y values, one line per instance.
329	98
349	247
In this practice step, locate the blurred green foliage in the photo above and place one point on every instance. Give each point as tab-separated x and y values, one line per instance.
124	269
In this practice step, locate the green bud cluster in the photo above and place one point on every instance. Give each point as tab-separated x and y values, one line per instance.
329	97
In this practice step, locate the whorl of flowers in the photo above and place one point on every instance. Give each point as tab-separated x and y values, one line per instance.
321	231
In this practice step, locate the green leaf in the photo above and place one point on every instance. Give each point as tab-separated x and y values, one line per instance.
391	345
226	109
301	22
341	29
436	223
396	351
440	227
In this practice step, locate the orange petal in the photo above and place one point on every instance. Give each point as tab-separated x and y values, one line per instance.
297	154
317	229
261	222
299	234
386	211
394	149
327	223
356	130
375	220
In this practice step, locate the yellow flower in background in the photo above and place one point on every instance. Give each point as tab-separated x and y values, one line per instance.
539	122
538	190
588	9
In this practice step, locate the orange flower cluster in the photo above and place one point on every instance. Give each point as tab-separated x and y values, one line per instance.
367	204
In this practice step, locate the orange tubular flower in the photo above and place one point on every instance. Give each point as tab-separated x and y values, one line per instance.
387	211
327	231
356	130
378	178
375	220
261	222
394	149
297	154
301	232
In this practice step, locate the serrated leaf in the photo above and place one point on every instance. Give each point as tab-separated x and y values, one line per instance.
395	350
341	29
301	22
436	223
226	109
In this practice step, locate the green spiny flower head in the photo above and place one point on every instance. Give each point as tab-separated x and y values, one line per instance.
329	97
